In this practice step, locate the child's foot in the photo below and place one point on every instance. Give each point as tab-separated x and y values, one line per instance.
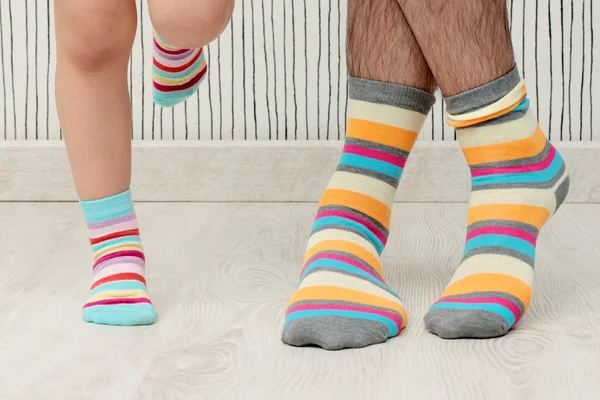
343	300
518	182
118	294
176	73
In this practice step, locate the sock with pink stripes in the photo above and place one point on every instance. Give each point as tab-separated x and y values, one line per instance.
176	73
118	294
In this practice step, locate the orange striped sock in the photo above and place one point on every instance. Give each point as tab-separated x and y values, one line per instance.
343	300
518	182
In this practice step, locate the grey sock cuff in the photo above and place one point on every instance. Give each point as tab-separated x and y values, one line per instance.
483	96
406	97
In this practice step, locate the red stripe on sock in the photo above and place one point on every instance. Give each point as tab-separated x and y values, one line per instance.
180	68
130	232
502	230
172	52
132	253
129	276
519	168
125	300
176	88
376	154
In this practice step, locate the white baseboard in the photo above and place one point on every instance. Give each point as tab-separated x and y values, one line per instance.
260	171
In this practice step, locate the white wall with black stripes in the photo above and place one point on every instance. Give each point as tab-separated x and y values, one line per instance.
279	73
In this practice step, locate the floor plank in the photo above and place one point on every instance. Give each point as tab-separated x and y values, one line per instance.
220	275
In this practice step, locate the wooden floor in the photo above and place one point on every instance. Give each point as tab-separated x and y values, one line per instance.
220	275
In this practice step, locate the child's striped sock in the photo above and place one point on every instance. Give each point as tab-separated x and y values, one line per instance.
342	300
518	182
118	294
176	73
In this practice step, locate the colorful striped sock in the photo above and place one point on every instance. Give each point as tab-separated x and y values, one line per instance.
343	300
118	294
176	73
518	182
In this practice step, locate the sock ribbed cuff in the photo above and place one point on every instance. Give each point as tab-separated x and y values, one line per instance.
483	96
402	96
107	208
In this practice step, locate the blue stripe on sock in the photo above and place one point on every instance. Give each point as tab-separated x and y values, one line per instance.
491	307
333	221
342	266
390	324
523	177
107	208
119	285
510	242
113	242
369	163
169	99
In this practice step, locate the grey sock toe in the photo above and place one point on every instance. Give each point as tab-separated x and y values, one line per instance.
334	333
456	324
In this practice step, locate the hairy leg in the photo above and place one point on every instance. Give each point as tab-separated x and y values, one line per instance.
343	300
382	47
94	40
466	42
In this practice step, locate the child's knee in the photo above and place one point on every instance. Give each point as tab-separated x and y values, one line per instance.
190	23
97	37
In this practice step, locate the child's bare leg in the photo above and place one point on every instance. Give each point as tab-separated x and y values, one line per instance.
182	28
190	23
94	40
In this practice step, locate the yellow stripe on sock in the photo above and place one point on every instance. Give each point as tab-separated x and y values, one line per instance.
118	294
386	115
531	215
121	247
380	133
514	150
366	185
359	202
494	264
518	129
490	282
352	238
351	248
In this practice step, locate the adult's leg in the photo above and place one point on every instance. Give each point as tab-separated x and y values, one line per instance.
182	27
518	178
466	43
343	300
94	40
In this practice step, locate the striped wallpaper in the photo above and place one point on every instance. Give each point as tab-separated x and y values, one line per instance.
278	73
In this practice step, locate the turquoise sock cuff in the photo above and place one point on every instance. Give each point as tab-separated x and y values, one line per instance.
107	208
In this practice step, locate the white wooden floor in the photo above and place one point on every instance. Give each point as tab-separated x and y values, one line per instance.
220	275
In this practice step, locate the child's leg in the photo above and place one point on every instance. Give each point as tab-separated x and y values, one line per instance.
182	27
94	40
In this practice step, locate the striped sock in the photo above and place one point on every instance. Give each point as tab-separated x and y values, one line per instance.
518	182
176	73
118	294
343	300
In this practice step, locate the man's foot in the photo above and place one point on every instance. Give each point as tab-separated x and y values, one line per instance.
518	182
118	294
343	300
176	73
